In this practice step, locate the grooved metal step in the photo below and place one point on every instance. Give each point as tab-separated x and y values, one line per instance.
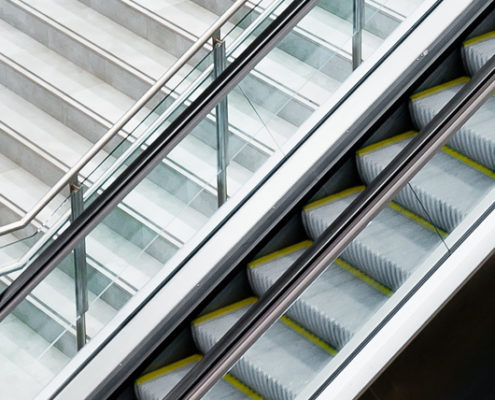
475	138
260	368
478	50
155	385
443	191
388	249
334	306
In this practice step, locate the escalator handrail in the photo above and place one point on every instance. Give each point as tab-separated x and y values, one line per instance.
47	260
117	127
260	316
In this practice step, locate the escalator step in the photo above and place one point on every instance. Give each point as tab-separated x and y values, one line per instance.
478	50
155	385
392	245
444	191
279	364
476	138
334	306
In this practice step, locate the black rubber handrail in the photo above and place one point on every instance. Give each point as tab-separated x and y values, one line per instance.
271	306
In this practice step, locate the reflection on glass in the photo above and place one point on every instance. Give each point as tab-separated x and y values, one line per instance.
404	241
137	239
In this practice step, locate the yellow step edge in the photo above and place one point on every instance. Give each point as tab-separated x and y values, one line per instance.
439	88
279	253
333	197
361	275
224	310
386	142
242	387
479	39
167	369
416	218
468	161
308	335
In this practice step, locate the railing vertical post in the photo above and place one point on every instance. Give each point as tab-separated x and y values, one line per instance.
357	33
222	123
80	266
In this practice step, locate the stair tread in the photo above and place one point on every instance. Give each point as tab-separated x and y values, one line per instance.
261	366
27	361
11	249
79	85
296	75
121	257
24	189
57	291
44	131
201	160
282	67
335	305
402	7
447	187
157	384
135	51
390	247
185	14
165	210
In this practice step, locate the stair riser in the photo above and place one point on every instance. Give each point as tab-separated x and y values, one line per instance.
250	156
377	21
177	184
176	43
113	294
70	114
166	37
140	235
297	43
29	157
121	76
381	24
46	98
76	49
279	102
45	326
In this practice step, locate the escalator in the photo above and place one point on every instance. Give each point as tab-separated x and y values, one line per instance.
362	279
405	234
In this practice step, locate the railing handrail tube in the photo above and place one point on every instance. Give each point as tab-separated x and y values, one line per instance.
287	289
95	186
100	144
150	157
